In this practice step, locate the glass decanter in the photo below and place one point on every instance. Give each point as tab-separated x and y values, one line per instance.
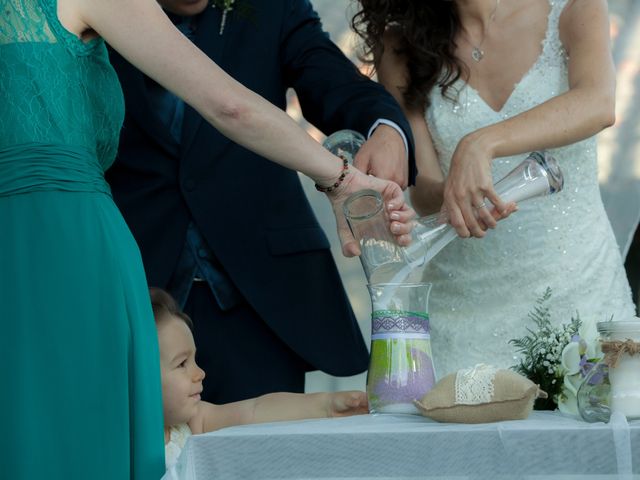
382	259
536	176
400	365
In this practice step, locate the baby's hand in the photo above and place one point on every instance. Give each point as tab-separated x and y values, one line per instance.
343	404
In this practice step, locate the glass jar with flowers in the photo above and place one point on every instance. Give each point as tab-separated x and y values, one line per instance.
613	384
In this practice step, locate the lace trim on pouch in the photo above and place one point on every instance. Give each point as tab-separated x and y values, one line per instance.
475	385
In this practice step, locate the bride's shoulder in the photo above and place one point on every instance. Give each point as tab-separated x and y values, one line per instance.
584	19
583	10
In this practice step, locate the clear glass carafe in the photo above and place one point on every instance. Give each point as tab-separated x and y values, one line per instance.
537	175
381	257
400	365
613	384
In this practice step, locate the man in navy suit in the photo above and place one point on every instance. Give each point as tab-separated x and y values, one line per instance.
232	236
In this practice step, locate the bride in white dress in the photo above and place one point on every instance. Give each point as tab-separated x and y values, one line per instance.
501	78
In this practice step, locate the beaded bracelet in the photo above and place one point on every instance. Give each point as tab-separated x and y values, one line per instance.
345	170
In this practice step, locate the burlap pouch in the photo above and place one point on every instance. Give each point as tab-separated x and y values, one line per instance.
480	395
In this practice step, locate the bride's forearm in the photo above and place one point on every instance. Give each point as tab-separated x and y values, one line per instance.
561	121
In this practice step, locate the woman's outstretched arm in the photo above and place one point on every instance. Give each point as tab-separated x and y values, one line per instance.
141	32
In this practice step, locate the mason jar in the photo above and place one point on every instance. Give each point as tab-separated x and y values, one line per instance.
613	384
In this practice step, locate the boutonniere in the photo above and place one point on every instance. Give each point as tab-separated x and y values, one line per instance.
226	6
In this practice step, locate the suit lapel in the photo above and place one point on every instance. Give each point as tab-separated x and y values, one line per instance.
212	44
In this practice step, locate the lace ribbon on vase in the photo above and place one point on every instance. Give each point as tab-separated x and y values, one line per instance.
475	385
399	324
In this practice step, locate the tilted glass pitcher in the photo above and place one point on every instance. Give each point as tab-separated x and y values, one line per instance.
382	259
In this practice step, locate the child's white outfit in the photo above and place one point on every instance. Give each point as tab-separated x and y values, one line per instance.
178	435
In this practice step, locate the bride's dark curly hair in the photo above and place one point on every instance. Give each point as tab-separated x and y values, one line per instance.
426	31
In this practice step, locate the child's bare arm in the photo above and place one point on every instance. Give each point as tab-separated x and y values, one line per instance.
278	407
296	406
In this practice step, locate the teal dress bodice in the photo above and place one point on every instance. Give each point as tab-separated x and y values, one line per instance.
55	88
78	350
56	92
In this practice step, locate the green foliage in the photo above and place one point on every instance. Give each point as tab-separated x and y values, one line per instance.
541	351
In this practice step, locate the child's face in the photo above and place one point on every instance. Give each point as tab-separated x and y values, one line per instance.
181	376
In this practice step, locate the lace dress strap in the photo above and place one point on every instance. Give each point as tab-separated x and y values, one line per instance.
73	43
553	47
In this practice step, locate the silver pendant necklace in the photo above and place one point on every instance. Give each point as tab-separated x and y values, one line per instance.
476	50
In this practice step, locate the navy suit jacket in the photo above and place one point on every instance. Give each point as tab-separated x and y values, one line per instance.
252	212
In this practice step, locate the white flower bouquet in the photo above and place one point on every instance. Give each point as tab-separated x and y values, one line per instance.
557	358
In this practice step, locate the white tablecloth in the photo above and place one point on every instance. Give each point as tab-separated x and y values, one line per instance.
545	446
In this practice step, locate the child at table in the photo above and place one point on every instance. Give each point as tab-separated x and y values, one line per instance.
185	414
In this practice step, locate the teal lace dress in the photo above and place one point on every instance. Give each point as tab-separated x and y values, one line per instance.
80	394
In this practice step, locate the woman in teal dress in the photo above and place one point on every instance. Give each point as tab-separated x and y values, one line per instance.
79	364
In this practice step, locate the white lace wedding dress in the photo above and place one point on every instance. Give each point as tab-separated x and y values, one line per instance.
484	288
